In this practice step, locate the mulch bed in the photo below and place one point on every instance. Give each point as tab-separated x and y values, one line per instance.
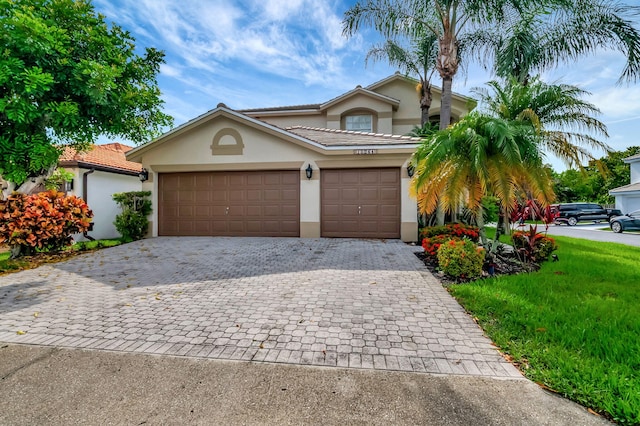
506	264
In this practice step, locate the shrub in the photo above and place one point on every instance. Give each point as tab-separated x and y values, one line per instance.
434	236
43	221
454	229
461	259
432	244
532	246
132	223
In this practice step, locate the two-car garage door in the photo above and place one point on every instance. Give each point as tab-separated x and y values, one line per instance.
252	204
358	203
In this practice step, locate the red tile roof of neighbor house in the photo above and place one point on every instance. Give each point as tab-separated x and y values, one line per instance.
110	156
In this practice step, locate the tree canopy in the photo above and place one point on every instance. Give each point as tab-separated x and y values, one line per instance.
67	77
418	60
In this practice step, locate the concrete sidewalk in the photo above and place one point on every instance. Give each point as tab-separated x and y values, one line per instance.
64	387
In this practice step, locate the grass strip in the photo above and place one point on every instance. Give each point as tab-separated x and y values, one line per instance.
573	326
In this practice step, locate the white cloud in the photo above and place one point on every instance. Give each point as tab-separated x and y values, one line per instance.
617	102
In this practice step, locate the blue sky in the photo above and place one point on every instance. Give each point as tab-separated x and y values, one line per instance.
260	53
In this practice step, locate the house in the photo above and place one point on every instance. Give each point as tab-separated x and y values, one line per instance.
389	106
99	173
628	196
336	169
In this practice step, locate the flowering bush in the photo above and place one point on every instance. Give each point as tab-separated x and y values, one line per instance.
432	244
454	229
461	259
532	245
44	221
433	237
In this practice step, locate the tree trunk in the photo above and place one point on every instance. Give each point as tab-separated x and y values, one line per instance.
27	187
447	66
481	230
440	215
445	103
425	103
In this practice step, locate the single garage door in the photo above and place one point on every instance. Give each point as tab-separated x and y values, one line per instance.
360	203
254	203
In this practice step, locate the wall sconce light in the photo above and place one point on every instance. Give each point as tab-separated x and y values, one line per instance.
309	171
143	175
410	170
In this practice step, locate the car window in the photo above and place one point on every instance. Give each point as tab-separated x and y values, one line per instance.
635	214
595	206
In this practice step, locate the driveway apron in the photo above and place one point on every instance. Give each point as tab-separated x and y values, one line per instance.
330	302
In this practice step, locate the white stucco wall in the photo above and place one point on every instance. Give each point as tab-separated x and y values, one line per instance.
100	188
635	172
628	203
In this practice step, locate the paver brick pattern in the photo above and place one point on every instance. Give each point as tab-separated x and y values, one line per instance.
331	302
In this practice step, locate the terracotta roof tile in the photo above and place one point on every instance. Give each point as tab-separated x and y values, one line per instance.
111	155
335	137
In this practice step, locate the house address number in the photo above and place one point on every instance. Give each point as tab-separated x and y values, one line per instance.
365	151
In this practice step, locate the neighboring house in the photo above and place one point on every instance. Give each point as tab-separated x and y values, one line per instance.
98	174
628	196
299	171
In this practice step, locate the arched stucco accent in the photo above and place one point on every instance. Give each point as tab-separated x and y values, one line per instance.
227	149
360	111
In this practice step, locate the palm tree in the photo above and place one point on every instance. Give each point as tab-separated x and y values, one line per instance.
588	26
418	60
564	121
444	19
480	155
542	38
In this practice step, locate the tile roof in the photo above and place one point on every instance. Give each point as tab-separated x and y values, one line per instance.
626	188
281	108
335	137
110	156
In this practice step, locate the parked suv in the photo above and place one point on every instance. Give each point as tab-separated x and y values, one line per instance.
572	213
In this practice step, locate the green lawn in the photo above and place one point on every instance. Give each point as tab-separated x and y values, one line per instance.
574	326
8	265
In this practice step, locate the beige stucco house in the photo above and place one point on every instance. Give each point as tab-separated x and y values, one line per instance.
337	169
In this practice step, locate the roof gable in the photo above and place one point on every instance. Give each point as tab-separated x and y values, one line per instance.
359	90
221	111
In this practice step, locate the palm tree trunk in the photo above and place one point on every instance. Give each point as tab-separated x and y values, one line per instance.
425	102
480	223
445	103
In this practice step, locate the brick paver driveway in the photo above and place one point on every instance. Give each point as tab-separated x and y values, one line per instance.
330	302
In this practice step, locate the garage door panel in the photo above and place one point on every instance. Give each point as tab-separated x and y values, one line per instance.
185	196
360	203
290	195
390	176
369	194
229	203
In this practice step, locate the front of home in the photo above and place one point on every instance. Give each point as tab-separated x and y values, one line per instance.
328	170
628	196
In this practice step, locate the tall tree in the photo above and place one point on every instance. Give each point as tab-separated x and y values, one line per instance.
66	77
444	19
545	36
588	26
417	60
